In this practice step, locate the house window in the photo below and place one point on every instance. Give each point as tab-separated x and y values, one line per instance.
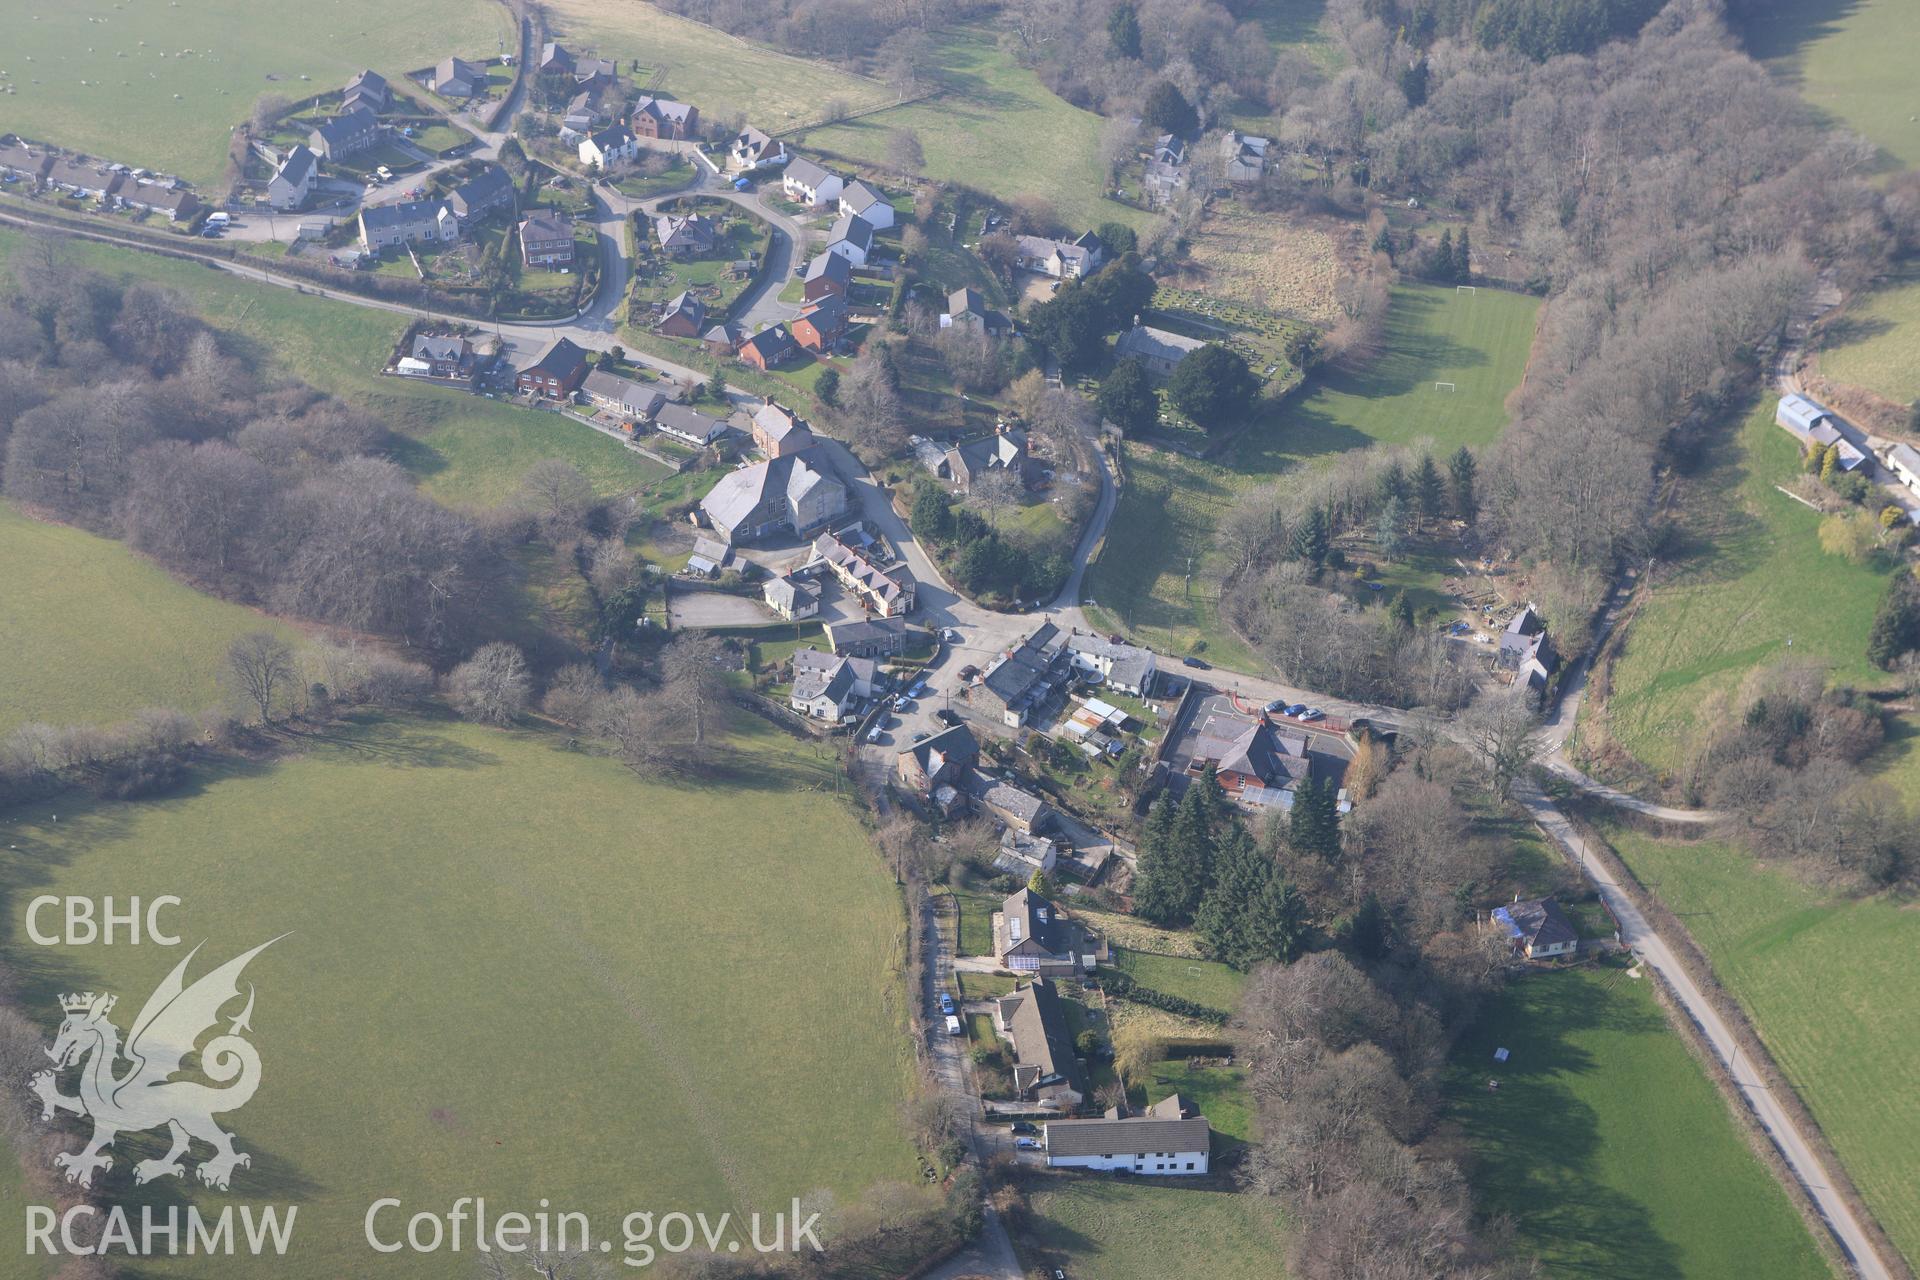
1189	1164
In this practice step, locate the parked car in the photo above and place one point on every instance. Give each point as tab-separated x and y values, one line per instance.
873	734
921	737
1027	1144
947	716
946	1003
1312	713
1025	1126
1197	663
953	1025
1295	709
969	671
1278	704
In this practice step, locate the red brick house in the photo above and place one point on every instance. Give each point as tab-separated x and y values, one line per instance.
557	374
665	118
768	349
822	325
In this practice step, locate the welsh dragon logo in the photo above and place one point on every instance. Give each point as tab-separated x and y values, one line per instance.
145	1096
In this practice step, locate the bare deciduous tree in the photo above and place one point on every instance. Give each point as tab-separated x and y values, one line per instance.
262	668
492	686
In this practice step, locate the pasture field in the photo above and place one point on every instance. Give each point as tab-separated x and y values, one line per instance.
995	127
514	971
1264	261
160	85
1753	578
1206	982
1154	1229
1172	503
1852	60
1828	983
706	66
465	450
1220	1093
92	632
1608	1145
1873	345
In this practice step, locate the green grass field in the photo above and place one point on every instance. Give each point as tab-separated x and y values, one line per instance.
1172	504
160	85
1852	60
516	971
1154	1229
1872	344
1607	1144
1220	1093
1753	579
1828	983
994	126
93	632
1205	982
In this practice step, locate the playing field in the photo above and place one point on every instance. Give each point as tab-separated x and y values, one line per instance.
1853	60
465	449
1155	1229
160	83
1828	982
1873	344
995	127
1206	982
1753	588
92	633
1476	342
515	971
1608	1145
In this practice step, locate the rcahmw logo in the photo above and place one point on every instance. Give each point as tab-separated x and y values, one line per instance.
143	1094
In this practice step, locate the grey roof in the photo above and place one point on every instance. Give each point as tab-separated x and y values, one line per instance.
806	173
1030	917
887	584
367	84
684	301
401	213
623	391
955	745
347	124
836	683
298	165
1539	923
553	53
964	300
1272	757
694	230
778	422
851	633
773	343
1017	675
739	492
664	109
851	228
1149	343
1016	803
792	594
1127	1135
492	185
452	68
593	68
830	266
861	195
546	224
612	138
828	314
677	419
1906	457
1042	1040
560	360
440	346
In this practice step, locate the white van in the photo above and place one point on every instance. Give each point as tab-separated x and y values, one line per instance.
953	1025
219	219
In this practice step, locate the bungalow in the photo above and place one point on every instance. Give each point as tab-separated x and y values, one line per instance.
1169	1138
792	597
768	349
606	147
829	688
1022	678
828	275
489	190
1031	935
1125	668
852	238
945	759
167	199
686	235
22	162
778	431
751	149
546	239
1904	462
634	401
1539	930
407	222
1061	259
871	637
1013	806
1004	450
665	119
861	199
822	325
968	309
687	425
1045	1070
781	495
1526	650
805	182
292	183
444	355
887	590
348	133
683	316
557	374
367	89
1160	350
457	78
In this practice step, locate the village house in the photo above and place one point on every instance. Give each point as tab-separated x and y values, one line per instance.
684	235
1022	855
1031	935
1256	765
1539	930
887	590
830	687
687	425
821	326
595	73
681	316
486	192
85	181
546	239
723	338
781	495
872	637
968	309
634	401
1011	805
1004	450
23	162
383	226
861	199
604	148
1061	259
1816	427
1020	680
751	148
944	760
1045	1070
792	596
292	183
1126	668
346	134
1904	461
167	199
1165	175
1160	350
557	374
442	355
708	558
665	119
368	89
852	238
457	78
779	431
555	59
768	349
1169	1139
828	275
1526	650
805	182
1243	156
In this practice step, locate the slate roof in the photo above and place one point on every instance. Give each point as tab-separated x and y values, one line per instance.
546	224
560	360
623	391
956	745
851	228
830	266
490	187
806	173
1016	676
1149	343
1127	1135
379	217
739	492
1539	923
337	129
774	344
298	165
1042	1040
679	420
1029	916
439	346
861	195
1266	754
665	109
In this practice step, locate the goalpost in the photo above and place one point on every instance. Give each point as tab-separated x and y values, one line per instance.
1467	288
1444	386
